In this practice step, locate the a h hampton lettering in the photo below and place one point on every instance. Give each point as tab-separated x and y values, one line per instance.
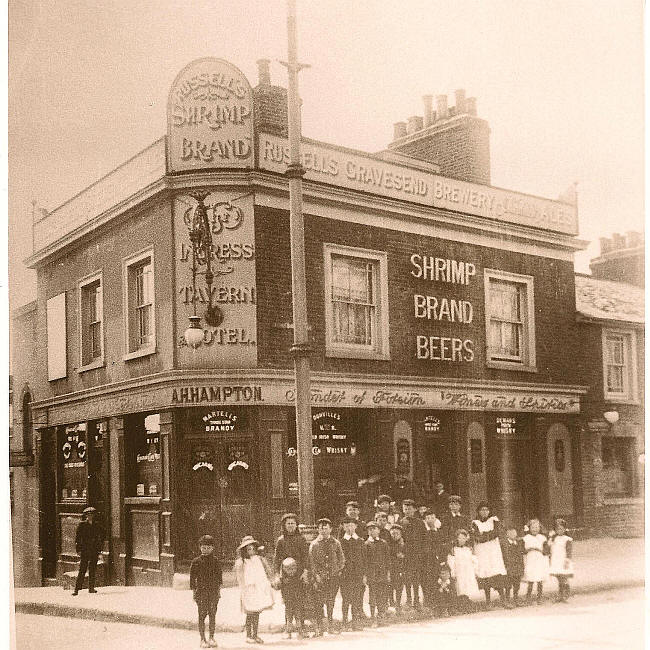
223	394
443	308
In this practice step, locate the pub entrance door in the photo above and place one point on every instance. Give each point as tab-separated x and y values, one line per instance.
221	491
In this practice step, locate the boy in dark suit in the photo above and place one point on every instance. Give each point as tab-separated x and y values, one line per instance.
205	582
352	587
415	536
377	572
512	549
89	540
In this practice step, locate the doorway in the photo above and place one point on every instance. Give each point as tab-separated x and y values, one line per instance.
47	528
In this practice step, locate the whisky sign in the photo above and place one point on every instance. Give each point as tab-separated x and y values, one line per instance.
210	118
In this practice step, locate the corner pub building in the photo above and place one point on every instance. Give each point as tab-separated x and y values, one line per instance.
441	313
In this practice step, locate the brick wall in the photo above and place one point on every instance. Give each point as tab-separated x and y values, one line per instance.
620	269
461	147
554	301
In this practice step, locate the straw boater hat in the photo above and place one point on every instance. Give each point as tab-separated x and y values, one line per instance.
247	541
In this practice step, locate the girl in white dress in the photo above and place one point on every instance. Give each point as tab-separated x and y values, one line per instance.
491	572
462	566
254	578
561	564
536	559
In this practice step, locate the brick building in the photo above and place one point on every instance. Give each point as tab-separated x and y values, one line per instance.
442	317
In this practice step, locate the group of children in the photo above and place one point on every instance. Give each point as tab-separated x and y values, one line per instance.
448	559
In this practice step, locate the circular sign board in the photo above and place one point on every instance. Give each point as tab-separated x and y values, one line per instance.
209	118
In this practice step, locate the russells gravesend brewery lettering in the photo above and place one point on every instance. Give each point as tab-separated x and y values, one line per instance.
443	308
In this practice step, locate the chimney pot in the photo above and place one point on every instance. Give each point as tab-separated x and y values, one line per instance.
470	105
605	245
399	130
618	241
414	124
441	104
428	110
460	101
264	72
633	238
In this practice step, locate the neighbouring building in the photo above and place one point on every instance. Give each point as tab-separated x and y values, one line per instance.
442	313
621	259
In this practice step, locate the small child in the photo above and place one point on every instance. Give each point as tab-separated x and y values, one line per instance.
561	564
512	549
444	592
293	595
254	577
397	567
205	583
377	556
536	560
462	565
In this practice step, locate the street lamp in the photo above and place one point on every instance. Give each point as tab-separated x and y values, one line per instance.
200	233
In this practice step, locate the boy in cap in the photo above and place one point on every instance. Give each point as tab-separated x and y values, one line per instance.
377	572
352	511
397	549
352	587
326	561
205	583
89	540
384	504
415	537
434	556
291	544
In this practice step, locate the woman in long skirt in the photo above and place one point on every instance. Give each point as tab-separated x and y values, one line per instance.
254	577
491	572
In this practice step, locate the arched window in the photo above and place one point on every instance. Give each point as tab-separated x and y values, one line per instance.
27	422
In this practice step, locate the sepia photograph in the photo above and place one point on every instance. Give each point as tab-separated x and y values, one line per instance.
326	324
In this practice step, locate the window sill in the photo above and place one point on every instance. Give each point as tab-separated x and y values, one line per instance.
141	501
614	399
347	353
507	365
621	501
142	352
93	365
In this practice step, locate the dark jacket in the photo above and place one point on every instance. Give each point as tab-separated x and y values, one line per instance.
451	524
295	546
293	591
384	534
326	559
354	559
440	504
397	551
513	557
377	560
414	533
435	553
205	576
361	531
89	538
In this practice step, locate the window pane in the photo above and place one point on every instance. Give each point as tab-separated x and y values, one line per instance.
618	466
615	379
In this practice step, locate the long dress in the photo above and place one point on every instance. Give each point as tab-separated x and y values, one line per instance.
491	571
462	566
535	562
561	564
256	590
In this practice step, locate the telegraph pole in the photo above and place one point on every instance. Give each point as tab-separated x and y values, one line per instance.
301	348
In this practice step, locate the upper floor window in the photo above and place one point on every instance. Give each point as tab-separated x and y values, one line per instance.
91	329
140	305
356	302
619	367
510	320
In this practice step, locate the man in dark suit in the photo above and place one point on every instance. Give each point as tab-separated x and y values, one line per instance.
416	544
88	541
440	501
453	520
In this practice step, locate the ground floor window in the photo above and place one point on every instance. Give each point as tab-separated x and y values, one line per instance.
618	456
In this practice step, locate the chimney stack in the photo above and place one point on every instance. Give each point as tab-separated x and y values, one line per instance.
399	130
264	72
633	238
414	124
460	102
618	241
470	106
441	103
605	245
428	110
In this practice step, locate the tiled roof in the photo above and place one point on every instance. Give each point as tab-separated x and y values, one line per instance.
607	300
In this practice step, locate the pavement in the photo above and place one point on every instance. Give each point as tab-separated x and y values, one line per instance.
600	564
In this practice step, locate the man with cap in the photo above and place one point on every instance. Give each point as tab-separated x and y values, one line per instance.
384	502
352	512
440	501
205	583
291	544
454	520
88	542
415	537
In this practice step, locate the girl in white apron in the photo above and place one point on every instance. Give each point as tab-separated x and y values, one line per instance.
491	572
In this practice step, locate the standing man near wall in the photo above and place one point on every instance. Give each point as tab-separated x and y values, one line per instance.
88	542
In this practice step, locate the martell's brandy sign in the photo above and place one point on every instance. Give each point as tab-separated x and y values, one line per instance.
209	117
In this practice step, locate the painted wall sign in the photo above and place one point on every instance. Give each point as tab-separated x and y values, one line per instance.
327	164
328	436
230	343
347	169
209	117
431	424
506	427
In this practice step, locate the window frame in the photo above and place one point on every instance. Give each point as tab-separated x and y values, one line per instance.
528	362
630	450
379	349
630	395
129	264
83	284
